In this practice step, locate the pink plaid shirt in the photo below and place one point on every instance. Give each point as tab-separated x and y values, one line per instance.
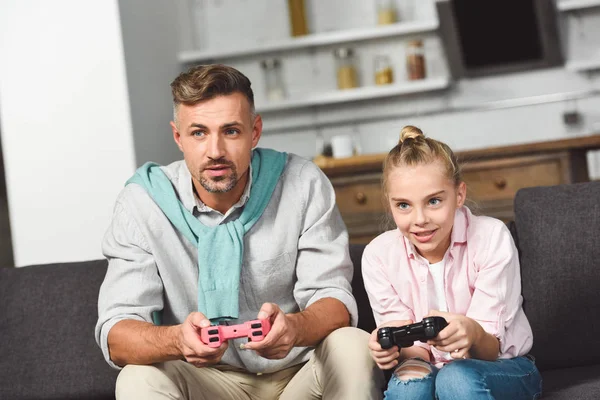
482	281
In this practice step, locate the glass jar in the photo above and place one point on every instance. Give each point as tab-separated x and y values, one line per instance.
383	70
386	12
346	68
415	60
274	88
297	11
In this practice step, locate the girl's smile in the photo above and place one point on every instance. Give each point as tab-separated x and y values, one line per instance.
424	236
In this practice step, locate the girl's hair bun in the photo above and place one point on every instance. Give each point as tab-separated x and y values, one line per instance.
410	132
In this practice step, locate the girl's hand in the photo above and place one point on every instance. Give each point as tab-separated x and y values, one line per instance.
385	358
459	336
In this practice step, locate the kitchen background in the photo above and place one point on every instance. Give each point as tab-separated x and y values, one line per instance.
84	91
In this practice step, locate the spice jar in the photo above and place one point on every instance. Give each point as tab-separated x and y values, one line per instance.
273	79
346	69
386	12
415	60
383	70
297	12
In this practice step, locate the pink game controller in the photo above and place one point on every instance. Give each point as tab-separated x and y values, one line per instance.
255	330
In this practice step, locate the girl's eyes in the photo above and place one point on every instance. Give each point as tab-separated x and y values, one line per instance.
432	202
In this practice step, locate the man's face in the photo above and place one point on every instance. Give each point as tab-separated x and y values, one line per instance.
216	137
423	202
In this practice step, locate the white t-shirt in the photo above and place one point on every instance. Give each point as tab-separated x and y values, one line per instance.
437	296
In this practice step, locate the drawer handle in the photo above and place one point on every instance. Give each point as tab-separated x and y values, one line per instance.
361	198
500	183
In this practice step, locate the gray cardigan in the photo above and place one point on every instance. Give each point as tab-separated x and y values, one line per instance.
296	254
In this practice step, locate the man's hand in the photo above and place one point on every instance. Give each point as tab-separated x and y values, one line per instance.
459	336
385	358
281	338
191	347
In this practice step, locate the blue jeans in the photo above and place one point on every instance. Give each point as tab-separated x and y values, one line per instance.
513	379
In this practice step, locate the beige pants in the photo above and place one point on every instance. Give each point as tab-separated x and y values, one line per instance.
340	368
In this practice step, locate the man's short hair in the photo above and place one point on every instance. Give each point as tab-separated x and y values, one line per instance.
204	82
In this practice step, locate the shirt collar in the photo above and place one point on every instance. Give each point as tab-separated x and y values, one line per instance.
458	235
185	188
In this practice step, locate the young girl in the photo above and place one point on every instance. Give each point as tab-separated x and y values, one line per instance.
444	261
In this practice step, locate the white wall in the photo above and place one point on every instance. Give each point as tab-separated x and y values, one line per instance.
150	31
66	129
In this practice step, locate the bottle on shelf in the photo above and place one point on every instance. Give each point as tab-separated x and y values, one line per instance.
274	87
384	74
415	60
386	12
346	68
297	12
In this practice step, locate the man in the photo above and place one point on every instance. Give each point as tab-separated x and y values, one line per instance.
230	234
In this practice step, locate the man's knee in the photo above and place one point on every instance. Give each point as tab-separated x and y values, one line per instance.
346	343
134	380
347	336
346	366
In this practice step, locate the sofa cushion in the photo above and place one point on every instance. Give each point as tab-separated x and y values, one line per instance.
571	383
557	231
365	314
47	318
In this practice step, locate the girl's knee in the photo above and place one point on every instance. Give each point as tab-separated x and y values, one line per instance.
457	378
413	369
413	379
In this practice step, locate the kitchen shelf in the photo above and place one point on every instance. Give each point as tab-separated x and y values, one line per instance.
583	65
357	94
571	5
313	40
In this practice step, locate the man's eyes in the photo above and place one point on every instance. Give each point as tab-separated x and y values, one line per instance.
228	132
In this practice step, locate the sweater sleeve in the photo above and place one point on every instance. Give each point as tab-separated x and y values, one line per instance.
132	288
323	266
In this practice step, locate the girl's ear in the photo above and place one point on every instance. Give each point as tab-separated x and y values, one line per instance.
461	194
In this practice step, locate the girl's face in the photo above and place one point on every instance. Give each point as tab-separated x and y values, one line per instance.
423	202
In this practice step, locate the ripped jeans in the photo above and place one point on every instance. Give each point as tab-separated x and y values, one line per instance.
512	379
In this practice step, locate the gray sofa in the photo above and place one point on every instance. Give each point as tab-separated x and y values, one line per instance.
48	312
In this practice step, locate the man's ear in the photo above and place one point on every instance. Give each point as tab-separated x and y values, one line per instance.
256	130
461	194
176	135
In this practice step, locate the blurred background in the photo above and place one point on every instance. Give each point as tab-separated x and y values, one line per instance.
512	85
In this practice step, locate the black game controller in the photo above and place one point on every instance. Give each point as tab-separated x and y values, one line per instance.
405	336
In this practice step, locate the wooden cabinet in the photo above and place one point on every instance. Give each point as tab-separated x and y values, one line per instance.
493	177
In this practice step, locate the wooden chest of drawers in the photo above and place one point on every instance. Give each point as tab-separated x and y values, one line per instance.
493	176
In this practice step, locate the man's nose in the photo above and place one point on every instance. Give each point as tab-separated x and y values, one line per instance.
216	147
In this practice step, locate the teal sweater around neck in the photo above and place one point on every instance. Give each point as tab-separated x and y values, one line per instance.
220	248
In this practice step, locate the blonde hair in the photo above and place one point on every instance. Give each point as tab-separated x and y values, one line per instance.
414	148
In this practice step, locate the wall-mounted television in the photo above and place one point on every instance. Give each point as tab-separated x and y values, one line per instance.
484	37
